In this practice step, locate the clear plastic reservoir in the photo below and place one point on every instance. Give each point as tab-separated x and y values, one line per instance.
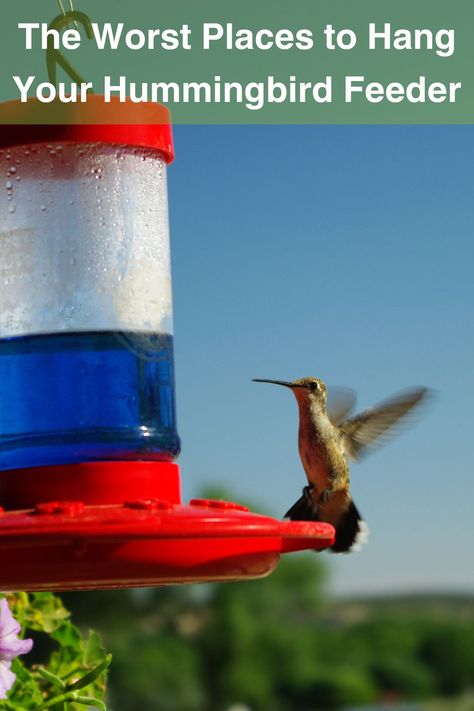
86	339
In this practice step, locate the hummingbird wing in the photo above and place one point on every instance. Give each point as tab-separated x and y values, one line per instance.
360	433
340	403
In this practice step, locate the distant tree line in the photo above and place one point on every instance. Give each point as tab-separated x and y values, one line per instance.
268	645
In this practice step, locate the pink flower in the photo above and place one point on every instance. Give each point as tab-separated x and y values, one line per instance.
10	647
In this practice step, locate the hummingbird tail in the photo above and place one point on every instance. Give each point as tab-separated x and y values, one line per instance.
351	530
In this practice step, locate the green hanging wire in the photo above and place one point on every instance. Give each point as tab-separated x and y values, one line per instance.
54	56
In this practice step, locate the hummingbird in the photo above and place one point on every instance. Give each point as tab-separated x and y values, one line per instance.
327	438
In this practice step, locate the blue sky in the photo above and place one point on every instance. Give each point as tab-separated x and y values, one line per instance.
344	253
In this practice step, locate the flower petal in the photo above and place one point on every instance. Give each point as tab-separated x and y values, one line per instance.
7	679
13	647
8	624
10	645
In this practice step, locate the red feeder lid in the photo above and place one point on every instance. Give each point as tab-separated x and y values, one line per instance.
144	124
75	544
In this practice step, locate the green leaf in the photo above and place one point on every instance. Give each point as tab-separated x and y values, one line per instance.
68	635
56	701
26	692
94	652
52	678
90	701
92	675
42	611
72	697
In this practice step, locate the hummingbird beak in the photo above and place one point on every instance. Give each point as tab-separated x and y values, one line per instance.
275	382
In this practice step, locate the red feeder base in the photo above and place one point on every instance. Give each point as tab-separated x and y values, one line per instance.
78	542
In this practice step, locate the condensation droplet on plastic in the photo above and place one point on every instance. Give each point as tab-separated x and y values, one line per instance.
9	185
11	208
43	208
12	169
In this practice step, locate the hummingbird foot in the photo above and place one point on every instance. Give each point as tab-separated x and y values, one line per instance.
304	509
325	496
307	491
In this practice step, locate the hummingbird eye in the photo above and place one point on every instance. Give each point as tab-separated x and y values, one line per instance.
314	386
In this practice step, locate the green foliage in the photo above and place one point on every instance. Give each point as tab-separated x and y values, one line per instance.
449	651
72	676
406	676
339	687
271	645
262	632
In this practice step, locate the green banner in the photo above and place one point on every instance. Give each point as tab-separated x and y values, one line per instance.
331	61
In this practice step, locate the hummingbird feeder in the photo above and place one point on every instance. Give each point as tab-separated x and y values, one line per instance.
90	494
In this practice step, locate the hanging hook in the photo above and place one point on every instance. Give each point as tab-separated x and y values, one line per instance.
54	56
62	7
